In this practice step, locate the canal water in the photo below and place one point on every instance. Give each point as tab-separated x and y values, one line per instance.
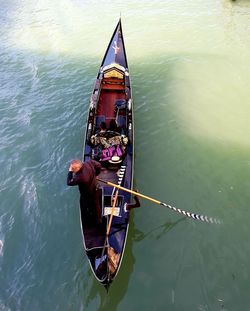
189	64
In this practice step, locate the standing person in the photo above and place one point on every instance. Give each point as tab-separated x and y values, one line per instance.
84	175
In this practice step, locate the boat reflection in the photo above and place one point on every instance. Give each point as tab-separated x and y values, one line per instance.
161	230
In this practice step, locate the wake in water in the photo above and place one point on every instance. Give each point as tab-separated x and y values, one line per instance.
1	248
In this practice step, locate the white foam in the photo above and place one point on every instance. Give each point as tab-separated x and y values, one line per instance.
25	118
30	197
1	248
3	307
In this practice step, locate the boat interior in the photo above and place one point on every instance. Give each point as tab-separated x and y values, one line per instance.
111	110
112	99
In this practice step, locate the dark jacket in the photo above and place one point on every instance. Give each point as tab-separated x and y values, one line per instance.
85	178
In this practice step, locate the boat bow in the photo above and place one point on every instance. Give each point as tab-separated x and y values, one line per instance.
115	53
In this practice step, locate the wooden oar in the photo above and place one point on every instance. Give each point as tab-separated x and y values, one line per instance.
178	210
110	222
112	213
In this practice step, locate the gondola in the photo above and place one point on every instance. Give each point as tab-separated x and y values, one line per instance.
110	103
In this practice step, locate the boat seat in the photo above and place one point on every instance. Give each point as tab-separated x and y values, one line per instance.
121	104
112	81
112	87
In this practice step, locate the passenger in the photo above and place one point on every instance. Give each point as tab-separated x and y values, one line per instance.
99	139
114	127
103	128
84	175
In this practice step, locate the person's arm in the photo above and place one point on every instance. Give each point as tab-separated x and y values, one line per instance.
134	205
137	201
71	180
97	166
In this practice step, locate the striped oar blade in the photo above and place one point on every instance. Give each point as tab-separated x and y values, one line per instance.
193	215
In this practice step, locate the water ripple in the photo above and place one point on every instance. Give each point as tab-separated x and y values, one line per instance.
183	56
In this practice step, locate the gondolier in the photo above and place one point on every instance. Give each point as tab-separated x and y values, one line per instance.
84	175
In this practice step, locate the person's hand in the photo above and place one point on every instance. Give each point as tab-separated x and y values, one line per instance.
70	168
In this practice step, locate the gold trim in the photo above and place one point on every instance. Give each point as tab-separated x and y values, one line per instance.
113	74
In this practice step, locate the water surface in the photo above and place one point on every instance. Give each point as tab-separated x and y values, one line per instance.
189	63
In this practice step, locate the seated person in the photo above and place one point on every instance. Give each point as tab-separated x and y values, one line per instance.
99	138
108	144
114	127
103	128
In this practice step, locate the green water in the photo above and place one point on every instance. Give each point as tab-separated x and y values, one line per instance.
189	63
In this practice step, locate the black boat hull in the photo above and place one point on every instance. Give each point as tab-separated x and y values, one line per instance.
111	99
